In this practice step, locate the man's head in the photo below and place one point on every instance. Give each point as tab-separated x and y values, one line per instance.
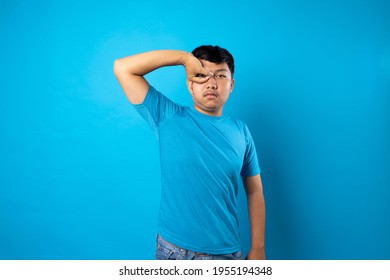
216	55
210	97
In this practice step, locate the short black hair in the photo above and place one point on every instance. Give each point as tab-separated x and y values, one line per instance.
215	54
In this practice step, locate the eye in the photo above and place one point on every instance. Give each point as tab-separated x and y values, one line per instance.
221	76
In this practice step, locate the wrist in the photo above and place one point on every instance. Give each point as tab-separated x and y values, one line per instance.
185	57
257	247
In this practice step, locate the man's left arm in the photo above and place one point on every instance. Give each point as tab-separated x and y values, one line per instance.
256	210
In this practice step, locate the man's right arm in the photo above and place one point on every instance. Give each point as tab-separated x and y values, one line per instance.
130	71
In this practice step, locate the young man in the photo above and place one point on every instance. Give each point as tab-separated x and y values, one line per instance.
203	156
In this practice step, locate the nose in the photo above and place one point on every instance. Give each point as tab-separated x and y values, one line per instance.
212	82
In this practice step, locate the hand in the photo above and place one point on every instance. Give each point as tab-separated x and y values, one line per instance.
256	254
195	71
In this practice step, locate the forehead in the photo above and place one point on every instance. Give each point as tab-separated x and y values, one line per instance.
214	66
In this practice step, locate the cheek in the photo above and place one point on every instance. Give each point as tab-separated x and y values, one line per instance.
227	87
196	89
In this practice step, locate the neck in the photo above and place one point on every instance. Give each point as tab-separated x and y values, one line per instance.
216	113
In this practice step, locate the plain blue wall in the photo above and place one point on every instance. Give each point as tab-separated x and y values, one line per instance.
79	170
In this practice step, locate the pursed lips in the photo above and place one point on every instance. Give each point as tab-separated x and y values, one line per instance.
210	94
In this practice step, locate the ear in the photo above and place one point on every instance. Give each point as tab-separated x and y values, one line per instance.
231	85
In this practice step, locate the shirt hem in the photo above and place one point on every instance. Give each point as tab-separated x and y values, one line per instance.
223	251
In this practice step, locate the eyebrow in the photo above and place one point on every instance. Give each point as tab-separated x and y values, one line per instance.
220	70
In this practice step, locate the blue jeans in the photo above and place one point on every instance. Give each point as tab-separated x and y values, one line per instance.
168	251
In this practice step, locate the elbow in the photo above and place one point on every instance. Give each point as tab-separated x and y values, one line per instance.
117	67
121	68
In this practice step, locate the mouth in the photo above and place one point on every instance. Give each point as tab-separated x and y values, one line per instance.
210	94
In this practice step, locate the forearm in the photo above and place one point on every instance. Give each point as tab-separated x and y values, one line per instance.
144	63
256	210
130	70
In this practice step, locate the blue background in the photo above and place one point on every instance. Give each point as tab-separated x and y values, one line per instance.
79	170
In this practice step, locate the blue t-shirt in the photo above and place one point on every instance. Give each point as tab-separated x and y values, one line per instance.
202	161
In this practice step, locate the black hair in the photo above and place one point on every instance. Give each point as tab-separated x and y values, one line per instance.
215	54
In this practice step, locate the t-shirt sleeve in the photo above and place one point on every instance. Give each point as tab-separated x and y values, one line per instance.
156	108
251	164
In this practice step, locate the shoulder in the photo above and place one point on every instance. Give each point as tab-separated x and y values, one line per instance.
242	129
238	123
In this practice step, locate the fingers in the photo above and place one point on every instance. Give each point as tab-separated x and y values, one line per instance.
195	71
201	78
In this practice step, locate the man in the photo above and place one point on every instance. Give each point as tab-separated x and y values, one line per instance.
203	156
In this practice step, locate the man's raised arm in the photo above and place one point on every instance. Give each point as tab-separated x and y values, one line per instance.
130	70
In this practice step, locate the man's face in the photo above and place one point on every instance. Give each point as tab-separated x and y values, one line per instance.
210	97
